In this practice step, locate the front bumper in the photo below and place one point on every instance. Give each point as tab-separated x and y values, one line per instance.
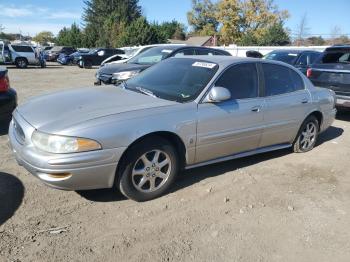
88	170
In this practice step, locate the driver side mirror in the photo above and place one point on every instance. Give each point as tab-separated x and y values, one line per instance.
217	94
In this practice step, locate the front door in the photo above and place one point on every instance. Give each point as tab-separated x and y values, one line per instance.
232	126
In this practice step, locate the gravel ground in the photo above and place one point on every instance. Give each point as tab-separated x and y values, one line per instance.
277	206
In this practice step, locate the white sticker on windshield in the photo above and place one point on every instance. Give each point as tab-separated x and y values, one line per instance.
293	54
203	64
166	51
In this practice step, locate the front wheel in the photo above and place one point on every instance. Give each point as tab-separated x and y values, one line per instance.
149	170
21	63
307	136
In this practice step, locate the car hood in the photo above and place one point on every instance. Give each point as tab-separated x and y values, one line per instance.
58	111
110	69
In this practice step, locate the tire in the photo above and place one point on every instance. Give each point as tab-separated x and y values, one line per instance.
136	184
87	64
21	63
307	135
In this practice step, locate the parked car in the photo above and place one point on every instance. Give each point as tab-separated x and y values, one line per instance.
8	97
116	73
116	59
65	59
20	55
332	70
184	112
96	56
53	54
301	59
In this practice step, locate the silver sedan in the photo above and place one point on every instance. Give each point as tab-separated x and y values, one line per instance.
181	113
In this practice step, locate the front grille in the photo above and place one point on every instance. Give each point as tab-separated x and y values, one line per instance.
20	136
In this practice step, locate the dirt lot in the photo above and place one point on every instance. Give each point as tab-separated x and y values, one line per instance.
271	207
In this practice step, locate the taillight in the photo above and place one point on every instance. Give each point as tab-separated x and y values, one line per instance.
4	83
309	72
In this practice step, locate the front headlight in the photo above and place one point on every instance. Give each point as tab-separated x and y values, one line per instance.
63	144
122	76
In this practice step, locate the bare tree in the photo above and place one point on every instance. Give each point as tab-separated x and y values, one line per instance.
335	34
302	30
1	28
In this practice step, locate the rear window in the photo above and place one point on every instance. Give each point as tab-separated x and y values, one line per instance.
287	57
335	56
23	49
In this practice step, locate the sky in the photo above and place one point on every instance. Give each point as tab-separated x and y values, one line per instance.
33	16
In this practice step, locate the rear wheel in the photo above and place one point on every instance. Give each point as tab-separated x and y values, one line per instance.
149	169
21	63
307	136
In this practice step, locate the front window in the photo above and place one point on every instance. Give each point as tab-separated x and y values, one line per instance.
175	79
287	57
152	56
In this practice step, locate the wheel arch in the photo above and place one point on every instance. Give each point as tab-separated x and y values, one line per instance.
171	137
319	116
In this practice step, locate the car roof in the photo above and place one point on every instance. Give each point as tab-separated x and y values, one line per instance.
297	51
224	61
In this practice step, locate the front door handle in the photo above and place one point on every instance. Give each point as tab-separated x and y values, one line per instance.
256	109
305	101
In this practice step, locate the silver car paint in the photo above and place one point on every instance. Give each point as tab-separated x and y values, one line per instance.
117	118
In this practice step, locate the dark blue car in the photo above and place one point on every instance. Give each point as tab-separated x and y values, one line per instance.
65	59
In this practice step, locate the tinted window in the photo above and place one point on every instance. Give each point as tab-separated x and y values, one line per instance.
313	57
241	80
184	52
336	56
287	57
281	80
303	59
205	52
176	79
153	55
21	48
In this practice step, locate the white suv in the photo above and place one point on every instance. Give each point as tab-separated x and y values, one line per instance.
20	55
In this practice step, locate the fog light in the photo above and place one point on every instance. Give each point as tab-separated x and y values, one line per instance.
60	175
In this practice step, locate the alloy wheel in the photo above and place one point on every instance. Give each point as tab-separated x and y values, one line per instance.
151	171
308	136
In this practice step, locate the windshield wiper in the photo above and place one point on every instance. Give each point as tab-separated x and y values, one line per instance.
145	91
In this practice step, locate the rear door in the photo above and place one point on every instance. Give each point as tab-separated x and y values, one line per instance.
232	126
332	71
286	104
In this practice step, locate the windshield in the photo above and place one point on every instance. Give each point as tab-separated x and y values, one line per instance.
131	51
56	48
340	56
287	57
175	79
152	56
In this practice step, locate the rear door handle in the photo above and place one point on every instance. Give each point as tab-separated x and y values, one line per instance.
305	101
256	109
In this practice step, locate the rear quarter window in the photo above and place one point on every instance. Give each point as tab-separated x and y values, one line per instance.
335	56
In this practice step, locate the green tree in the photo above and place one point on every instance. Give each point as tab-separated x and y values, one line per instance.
104	17
276	35
172	30
44	37
72	36
202	18
140	32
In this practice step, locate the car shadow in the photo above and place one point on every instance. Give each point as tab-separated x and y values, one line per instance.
11	196
189	177
331	133
102	195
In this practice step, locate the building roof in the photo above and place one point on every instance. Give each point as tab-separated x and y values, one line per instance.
194	40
